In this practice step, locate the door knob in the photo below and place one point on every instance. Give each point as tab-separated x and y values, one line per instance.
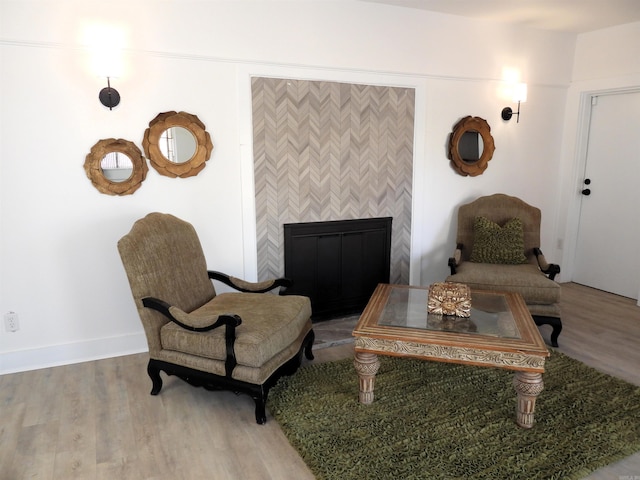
586	191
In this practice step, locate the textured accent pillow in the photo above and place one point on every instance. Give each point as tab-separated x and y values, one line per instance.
495	244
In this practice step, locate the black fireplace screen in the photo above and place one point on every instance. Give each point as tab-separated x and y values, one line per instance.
337	264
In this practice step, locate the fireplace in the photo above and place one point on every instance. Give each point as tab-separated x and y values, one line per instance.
337	264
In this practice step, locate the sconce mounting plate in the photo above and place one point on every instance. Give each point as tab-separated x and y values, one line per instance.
109	97
507	113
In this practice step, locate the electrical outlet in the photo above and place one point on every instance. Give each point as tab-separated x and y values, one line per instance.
11	323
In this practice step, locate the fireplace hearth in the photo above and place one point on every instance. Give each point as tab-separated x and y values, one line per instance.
337	264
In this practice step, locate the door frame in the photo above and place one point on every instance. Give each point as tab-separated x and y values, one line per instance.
580	164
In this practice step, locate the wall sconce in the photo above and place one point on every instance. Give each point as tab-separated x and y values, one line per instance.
109	97
105	45
519	95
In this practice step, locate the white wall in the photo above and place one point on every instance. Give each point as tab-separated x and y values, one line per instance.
59	268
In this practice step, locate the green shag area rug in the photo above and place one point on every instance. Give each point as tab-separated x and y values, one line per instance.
433	420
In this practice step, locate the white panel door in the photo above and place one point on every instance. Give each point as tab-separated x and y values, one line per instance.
608	244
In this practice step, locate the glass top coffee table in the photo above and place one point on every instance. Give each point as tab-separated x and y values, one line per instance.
499	333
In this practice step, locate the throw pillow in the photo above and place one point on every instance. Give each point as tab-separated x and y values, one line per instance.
495	244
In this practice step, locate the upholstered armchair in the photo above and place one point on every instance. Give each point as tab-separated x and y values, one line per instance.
498	248
241	341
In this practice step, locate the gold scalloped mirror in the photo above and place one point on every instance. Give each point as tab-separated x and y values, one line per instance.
116	166
177	144
471	146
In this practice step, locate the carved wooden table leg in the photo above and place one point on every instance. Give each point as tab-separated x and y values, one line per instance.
528	386
367	365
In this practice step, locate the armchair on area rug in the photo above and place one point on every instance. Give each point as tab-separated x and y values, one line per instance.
498	248
241	342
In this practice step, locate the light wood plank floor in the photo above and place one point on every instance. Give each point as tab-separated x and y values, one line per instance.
96	420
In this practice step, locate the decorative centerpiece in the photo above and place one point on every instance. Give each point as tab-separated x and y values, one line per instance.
449	298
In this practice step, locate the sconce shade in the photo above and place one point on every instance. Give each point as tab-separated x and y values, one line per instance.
520	92
109	97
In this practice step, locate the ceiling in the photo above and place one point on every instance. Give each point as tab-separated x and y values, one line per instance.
574	16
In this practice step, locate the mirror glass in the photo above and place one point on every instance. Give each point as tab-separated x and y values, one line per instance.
116	167
470	146
178	144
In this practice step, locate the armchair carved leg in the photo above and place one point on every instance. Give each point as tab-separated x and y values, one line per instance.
261	402
154	374
309	345
555	323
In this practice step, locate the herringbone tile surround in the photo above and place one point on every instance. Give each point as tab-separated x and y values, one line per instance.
331	151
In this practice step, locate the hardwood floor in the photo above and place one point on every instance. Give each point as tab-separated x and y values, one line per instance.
96	420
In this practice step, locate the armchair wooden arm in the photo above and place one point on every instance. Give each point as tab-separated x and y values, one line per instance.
191	322
250	287
549	269
454	261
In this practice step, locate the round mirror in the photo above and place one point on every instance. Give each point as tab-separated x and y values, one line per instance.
471	146
115	166
177	144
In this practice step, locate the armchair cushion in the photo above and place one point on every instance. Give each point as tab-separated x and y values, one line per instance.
270	324
526	279
499	245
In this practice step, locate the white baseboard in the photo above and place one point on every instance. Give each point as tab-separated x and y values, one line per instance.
56	355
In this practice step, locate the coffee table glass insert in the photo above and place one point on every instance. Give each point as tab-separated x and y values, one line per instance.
490	314
499	333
